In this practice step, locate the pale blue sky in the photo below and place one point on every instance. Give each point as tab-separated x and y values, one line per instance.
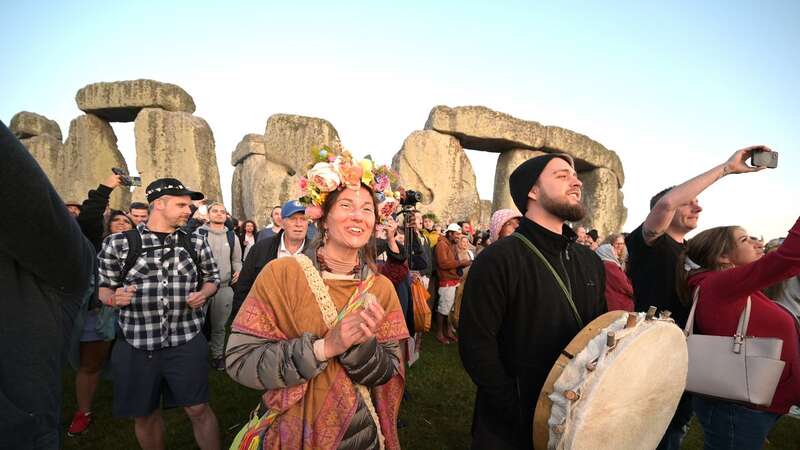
673	87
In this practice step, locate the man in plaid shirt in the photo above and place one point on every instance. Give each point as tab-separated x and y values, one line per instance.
160	300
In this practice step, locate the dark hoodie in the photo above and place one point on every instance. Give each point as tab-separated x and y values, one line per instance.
45	267
515	320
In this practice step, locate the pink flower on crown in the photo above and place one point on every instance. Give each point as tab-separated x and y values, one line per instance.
324	177
381	183
313	212
352	176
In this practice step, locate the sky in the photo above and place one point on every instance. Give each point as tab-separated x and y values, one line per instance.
673	87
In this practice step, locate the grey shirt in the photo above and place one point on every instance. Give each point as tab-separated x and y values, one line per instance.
218	240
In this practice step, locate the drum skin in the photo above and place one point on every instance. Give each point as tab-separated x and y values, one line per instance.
629	400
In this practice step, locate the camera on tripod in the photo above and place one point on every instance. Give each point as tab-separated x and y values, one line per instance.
409	200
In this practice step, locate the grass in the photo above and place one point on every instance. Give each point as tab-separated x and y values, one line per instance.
438	414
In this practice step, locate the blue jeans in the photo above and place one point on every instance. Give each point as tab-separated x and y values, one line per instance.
730	426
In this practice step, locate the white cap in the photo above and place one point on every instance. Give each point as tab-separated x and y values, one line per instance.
453	227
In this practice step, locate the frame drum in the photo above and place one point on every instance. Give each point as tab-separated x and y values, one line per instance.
615	386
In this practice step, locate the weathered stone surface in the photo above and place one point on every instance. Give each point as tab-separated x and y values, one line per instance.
177	145
26	124
605	210
258	185
290	139
269	167
251	144
121	101
47	151
506	163
436	165
481	128
90	152
486	213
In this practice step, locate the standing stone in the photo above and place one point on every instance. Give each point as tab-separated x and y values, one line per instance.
176	145
506	163
605	210
259	183
26	124
486	213
480	128
290	139
269	166
47	151
436	165
121	101
90	152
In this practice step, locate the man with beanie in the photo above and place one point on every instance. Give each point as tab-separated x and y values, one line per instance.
515	316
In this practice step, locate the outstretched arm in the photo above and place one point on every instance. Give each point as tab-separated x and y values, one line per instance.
661	215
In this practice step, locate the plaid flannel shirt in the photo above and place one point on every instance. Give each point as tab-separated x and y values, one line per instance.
158	315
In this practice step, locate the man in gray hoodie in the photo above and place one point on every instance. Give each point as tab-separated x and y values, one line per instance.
228	255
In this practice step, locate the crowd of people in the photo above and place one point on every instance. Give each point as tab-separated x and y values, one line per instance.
323	308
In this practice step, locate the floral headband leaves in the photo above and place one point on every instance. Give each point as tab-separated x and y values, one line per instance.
334	169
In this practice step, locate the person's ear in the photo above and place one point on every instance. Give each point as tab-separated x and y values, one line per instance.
533	194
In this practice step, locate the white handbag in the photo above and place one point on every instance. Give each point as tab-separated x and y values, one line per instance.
739	368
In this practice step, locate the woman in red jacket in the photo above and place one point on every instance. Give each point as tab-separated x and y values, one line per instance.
619	291
728	268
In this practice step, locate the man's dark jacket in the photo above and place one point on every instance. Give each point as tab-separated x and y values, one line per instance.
259	256
515	320
45	268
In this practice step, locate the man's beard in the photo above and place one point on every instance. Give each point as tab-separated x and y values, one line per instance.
562	210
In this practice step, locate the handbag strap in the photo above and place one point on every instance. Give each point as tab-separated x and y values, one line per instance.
741	327
329	315
561	284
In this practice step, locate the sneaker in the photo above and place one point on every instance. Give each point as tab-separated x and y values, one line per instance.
794	412
218	363
80	422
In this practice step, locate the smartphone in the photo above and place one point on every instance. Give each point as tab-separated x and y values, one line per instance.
764	159
126	180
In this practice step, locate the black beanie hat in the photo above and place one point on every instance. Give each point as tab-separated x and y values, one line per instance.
524	177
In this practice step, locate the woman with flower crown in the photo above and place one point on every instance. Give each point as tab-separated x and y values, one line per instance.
320	332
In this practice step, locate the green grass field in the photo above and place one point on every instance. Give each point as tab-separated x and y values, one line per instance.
438	415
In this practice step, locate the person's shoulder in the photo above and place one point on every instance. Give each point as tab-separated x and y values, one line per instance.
290	263
382	283
586	254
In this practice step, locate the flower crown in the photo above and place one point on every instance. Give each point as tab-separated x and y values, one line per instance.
331	170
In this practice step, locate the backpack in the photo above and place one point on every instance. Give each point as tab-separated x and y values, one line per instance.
135	250
231	240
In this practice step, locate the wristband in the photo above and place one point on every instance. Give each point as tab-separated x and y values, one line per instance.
319	350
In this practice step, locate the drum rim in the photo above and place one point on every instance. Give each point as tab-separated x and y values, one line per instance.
541	432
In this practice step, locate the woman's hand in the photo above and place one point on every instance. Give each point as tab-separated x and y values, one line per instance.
356	328
343	335
371	319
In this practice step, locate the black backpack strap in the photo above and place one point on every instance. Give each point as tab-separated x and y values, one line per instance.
231	243
134	250
185	241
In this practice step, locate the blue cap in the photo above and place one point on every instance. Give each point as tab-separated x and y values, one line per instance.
291	207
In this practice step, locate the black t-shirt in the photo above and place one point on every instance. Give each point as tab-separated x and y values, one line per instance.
161	236
652	270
